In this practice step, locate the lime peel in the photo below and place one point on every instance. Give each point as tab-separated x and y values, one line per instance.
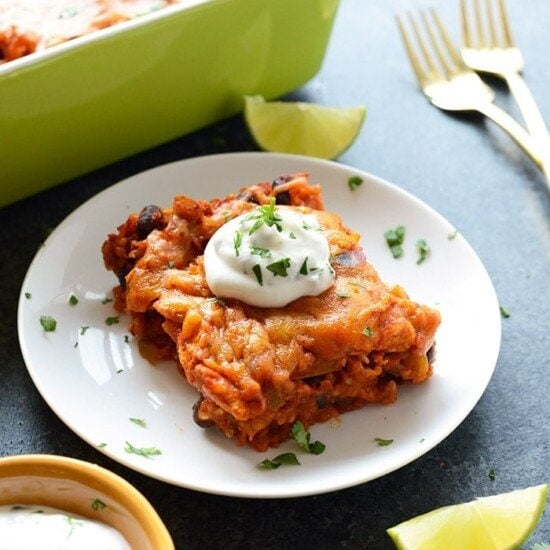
302	128
497	522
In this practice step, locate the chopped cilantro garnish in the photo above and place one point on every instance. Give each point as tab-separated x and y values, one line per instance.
268	464
395	238
237	241
102	445
504	311
265	215
423	250
106	300
279	267
48	323
302	437
492	474
307	227
257	270
83	330
126	339
112	320
98	504
354	182
28	295
367	331
262	252
291	235
303	269
227	216
138	421
289	459
383	442
452	234
73	300
142	451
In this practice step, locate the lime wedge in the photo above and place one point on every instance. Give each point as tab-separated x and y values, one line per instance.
302	128
497	522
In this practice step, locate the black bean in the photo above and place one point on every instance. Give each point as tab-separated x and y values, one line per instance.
121	275
321	401
248	197
285	178
202	422
284	197
149	218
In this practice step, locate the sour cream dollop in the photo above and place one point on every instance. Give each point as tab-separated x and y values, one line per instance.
31	527
269	257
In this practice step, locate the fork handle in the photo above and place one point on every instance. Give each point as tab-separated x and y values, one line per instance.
527	104
516	132
532	116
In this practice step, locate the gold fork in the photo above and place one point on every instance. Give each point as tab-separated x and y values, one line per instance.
452	86
490	48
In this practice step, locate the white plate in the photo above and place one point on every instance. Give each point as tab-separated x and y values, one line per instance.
97	380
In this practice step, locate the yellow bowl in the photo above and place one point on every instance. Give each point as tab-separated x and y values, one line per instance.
73	485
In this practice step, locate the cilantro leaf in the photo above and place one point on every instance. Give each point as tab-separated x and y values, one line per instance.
289	459
237	241
98	504
262	252
394	239
423	250
138	421
302	437
367	331
257	270
354	182
279	267
265	215
383	442
504	311
142	451
48	323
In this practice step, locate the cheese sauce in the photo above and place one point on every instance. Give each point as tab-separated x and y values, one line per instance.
30	527
269	257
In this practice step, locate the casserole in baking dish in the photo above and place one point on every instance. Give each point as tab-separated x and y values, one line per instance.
84	103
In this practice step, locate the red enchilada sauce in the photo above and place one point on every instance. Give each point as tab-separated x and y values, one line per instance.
27	26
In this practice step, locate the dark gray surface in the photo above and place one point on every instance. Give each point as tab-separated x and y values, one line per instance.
463	167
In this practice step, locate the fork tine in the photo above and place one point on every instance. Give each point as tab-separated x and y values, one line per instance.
479	26
436	44
493	41
427	56
413	58
451	48
467	39
507	32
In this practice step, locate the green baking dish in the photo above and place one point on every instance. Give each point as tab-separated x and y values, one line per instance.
85	103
